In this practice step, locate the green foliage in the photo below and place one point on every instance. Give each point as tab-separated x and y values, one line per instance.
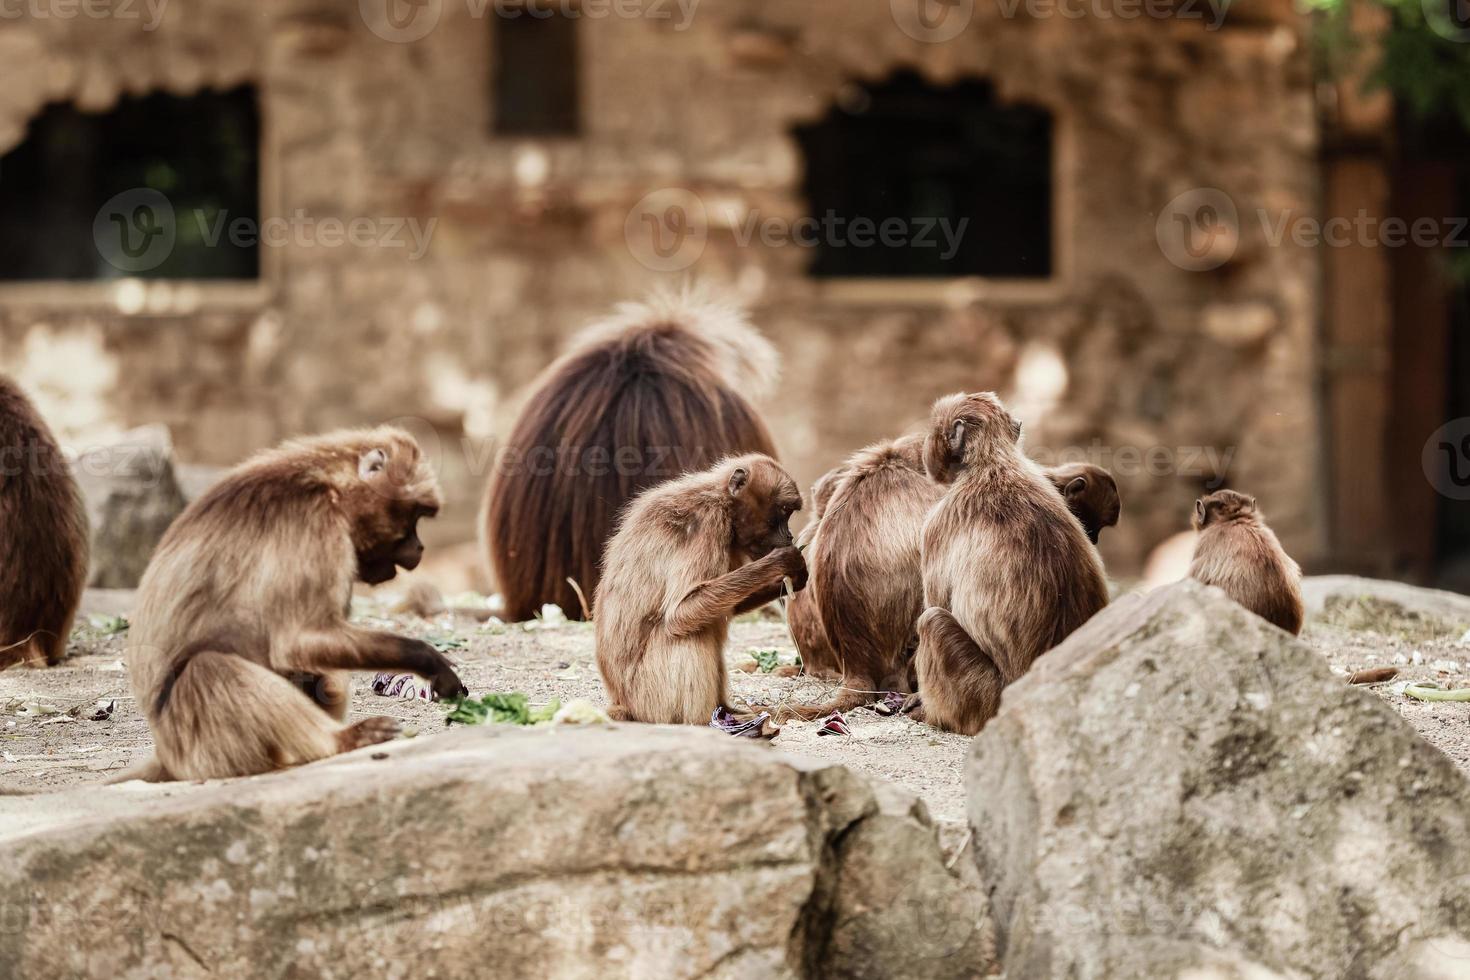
766	660
444	642
500	709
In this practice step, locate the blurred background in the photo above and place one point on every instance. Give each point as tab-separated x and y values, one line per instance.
1198	244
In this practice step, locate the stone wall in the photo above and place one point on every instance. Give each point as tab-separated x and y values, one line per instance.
529	241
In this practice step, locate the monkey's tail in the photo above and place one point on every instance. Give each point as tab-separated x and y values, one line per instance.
718	331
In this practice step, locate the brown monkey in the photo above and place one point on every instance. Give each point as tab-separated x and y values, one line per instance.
43	536
866	581
1091	494
241	622
1239	554
1008	571
689	554
802	615
656	390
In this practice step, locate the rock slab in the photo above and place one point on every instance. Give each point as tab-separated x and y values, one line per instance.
1182	790
132	497
622	851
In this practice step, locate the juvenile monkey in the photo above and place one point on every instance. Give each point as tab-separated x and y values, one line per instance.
688	555
655	390
1239	554
240	642
1091	494
1008	572
43	536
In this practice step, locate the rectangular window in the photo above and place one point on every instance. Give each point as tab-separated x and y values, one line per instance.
536	70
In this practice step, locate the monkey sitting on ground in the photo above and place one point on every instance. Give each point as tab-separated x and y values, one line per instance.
1239	554
240	642
1091	494
656	390
43	536
690	554
802	615
1008	571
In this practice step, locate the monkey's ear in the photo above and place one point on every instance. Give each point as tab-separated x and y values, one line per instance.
1015	429
957	438
371	463
1076	488
1199	508
738	480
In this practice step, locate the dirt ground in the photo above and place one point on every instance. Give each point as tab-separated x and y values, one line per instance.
48	751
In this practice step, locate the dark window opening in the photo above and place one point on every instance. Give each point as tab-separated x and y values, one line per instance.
969	180
148	188
536	74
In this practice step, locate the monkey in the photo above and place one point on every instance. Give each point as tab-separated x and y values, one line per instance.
688	555
44	537
657	389
240	640
1008	571
1091	494
802	616
1239	554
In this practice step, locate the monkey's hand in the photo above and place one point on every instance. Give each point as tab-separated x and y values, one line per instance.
447	685
792	565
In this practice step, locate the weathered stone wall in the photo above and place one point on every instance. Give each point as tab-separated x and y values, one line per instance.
530	236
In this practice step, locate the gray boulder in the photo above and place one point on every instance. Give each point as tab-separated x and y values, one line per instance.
629	851
132	496
1392	608
1182	790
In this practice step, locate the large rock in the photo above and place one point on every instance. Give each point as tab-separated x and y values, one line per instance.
1393	608
132	496
1182	790
627	852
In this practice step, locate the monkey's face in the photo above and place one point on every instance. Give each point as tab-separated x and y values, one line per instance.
964	430
396	490
764	498
1222	506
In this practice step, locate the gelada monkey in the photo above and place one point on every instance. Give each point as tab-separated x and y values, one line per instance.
1238	553
688	555
240	641
43	536
1091	494
655	390
1008	571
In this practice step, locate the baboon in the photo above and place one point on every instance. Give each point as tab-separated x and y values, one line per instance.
44	540
656	390
866	583
1239	554
689	554
1008	572
1091	494
802	615
240	641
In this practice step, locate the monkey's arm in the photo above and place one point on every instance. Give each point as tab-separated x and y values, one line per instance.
350	648
720	598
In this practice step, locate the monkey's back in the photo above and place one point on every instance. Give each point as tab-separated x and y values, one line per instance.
1004	555
1245	560
604	423
44	540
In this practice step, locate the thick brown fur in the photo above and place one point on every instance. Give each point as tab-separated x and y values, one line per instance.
1008	572
657	390
802	615
240	645
688	555
43	536
866	580
1091	494
1238	553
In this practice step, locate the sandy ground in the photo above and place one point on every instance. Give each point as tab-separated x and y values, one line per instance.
49	751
